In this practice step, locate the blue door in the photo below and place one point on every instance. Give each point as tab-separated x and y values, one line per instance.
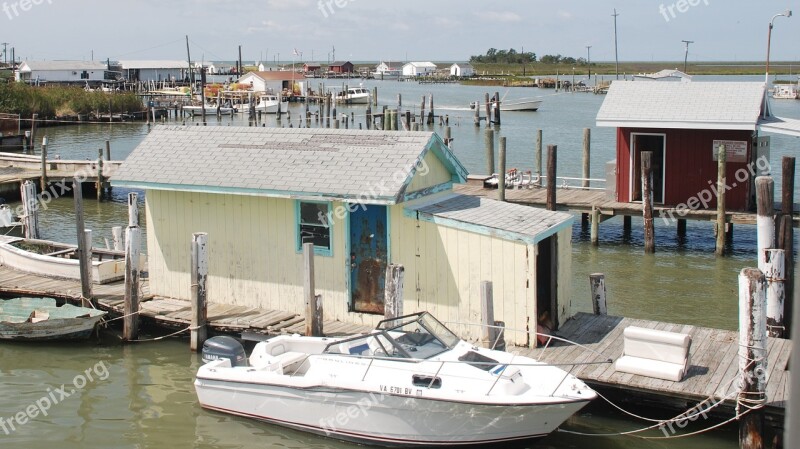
368	258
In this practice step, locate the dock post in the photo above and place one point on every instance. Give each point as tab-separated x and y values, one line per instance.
774	272
448	137
133	238
786	237
116	236
647	202
551	176
501	177
721	187
626	224
752	354
681	227
43	182
597	283
587	143
422	111
765	220
489	143
488	105
538	157
369	116
477	117
497	109
84	238
595	233
100	174
30	207
199	277
375	96
32	147
431	116
313	301
395	275
488	333
336	123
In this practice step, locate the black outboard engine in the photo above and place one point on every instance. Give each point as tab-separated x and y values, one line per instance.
224	347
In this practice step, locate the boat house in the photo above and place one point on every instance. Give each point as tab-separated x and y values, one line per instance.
154	70
462	70
341	67
684	124
276	81
366	199
419	69
62	72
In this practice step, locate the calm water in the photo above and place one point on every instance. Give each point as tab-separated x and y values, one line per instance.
142	396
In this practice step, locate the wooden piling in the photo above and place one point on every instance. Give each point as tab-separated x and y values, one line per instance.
786	237
395	275
32	147
595	233
488	105
489	145
752	355
43	181
597	283
84	244
647	202
765	220
199	291
721	187
430	113
130	327
497	108
448	136
538	157
551	176
626	224
774	272
488	333
100	181
477	116
30	210
312	300
501	177
375	96
369	116
116	236
587	144
422	111
681	227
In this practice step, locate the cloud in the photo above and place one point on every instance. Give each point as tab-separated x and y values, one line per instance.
499	16
564	14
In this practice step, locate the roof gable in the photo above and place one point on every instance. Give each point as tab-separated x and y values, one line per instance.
696	105
373	167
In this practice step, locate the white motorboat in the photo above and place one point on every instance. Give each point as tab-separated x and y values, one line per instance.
786	92
270	104
354	95
410	382
522	104
389	74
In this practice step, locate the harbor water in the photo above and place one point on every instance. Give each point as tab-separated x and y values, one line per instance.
141	395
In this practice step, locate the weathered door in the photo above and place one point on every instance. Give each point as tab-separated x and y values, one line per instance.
368	258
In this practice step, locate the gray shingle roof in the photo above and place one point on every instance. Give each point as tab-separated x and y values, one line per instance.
496	218
371	166
695	105
65	65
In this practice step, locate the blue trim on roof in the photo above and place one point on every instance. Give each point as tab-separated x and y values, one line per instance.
486	230
458	173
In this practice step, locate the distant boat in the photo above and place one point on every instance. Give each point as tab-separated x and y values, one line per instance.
522	104
387	74
785	92
41	319
354	95
270	104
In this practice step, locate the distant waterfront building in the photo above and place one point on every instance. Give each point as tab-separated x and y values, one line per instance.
664	75
276	81
62	72
154	70
341	67
419	69
462	70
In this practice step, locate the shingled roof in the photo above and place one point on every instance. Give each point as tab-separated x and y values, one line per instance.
367	166
695	105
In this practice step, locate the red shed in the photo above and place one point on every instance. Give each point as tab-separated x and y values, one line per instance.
683	124
341	67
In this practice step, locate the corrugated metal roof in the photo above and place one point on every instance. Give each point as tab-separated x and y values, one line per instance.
695	105
422	64
369	166
153	64
63	65
780	125
491	217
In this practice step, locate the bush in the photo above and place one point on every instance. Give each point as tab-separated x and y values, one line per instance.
49	102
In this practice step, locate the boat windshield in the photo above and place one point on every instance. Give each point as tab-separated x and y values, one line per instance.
419	336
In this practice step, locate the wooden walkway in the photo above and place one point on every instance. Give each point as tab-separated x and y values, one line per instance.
713	360
170	313
584	201
16	168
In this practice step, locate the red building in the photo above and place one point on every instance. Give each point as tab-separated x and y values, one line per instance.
341	67
683	124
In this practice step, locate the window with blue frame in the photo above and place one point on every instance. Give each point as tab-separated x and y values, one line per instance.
313	226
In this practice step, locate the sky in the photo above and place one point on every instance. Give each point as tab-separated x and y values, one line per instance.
372	30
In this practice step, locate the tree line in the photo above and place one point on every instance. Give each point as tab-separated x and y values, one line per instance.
511	56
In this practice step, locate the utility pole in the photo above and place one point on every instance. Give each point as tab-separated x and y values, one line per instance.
686	54
5	52
589	63
616	52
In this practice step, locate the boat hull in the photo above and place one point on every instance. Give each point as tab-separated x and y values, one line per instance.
521	106
57	329
382	418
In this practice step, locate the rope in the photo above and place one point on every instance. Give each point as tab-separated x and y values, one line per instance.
121	317
190	328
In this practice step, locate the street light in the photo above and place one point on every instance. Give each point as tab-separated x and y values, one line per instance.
787	13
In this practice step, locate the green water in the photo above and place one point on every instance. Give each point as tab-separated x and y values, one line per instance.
142	396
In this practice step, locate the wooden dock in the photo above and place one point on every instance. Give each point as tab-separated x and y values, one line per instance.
713	360
584	201
171	313
16	168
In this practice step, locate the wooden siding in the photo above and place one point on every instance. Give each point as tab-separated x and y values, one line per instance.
689	165
432	173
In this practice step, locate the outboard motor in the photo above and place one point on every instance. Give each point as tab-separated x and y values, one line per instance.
224	347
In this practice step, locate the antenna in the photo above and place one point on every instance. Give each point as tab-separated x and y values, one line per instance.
686	54
616	51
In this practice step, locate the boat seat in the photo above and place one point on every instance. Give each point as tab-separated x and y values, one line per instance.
654	353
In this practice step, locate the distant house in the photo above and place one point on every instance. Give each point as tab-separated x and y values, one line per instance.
366	199
311	68
154	70
461	70
419	69
683	125
341	67
388	70
62	71
276	81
